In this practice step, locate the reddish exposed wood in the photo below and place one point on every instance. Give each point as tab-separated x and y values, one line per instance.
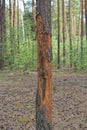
44	91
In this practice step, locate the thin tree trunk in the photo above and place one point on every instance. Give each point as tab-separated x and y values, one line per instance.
10	13
24	32
63	17
18	39
70	33
14	14
11	34
44	90
34	11
73	26
14	31
24	5
86	17
82	33
79	27
3	23
58	6
0	24
66	25
2	33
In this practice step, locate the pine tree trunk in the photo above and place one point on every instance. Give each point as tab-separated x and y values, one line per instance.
70	33
11	33
79	27
14	29
18	38
58	6
14	14
63	17
34	11
44	90
86	17
3	24
81	33
2	33
73	26
0	23
24	32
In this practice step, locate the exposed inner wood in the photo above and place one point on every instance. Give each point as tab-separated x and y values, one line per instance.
44	101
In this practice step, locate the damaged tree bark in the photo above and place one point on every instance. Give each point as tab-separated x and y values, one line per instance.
44	90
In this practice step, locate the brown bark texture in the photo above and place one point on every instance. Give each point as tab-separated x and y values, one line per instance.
0	21
2	33
58	6
86	16
82	6
63	17
10	13
34	11
70	32
11	31
14	13
79	26
18	38
44	89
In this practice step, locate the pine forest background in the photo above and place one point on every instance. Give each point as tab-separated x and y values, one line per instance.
18	45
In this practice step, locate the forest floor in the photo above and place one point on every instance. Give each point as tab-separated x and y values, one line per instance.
17	101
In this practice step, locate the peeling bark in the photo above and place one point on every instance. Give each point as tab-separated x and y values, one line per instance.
44	90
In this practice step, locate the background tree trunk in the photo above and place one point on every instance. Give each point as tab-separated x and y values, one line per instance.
58	6
70	33
14	13
81	33
44	90
34	11
63	17
11	33
86	17
18	38
2	33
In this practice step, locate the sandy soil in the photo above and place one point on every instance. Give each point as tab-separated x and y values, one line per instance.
17	101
